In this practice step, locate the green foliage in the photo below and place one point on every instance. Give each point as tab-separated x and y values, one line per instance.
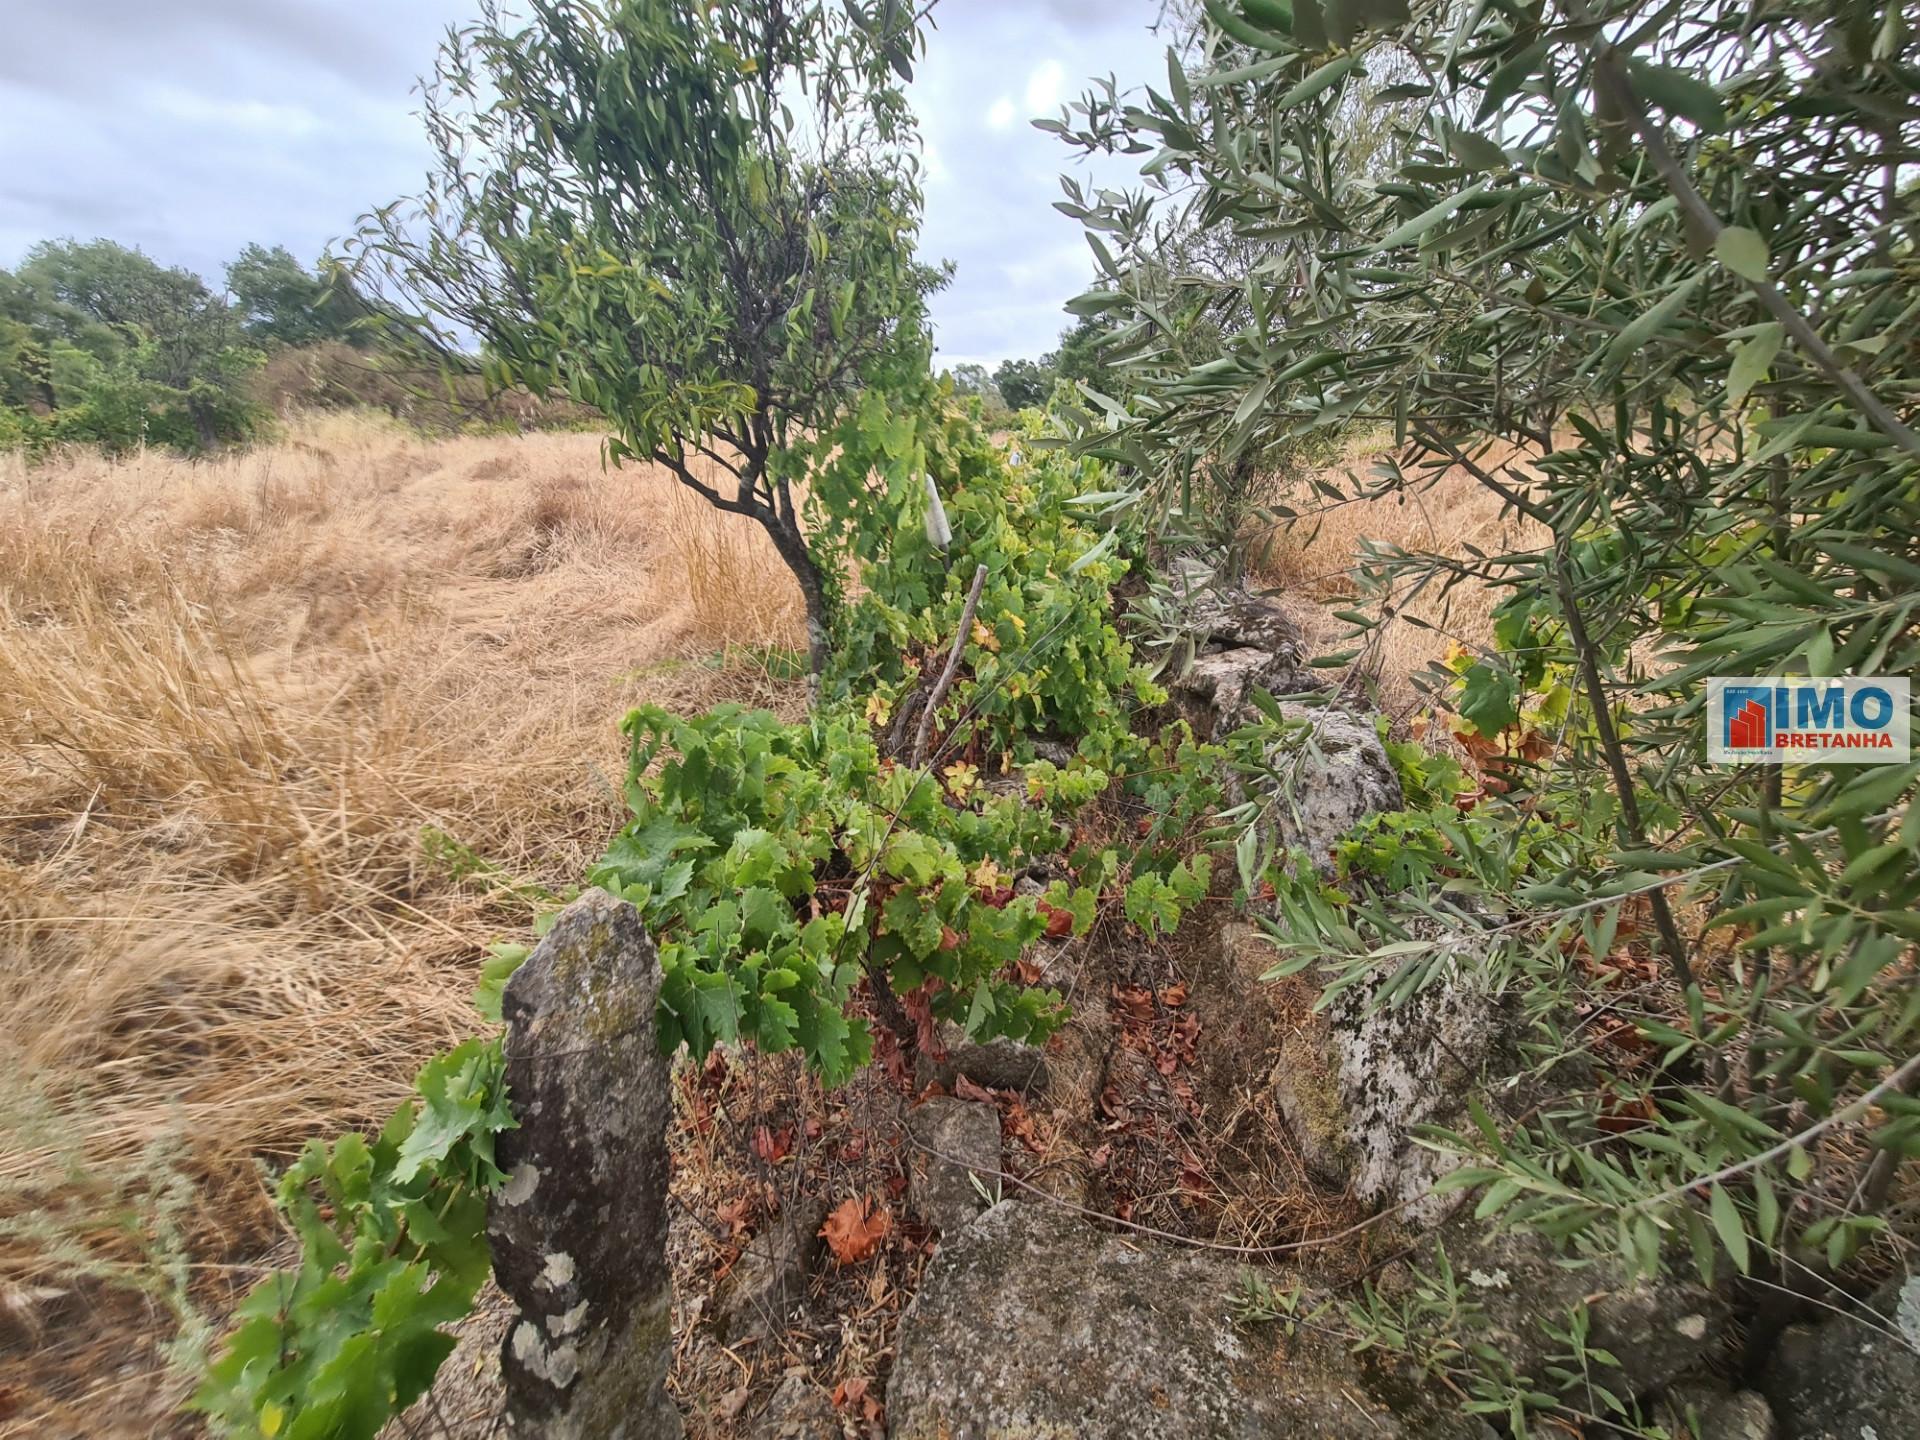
661	237
1043	657
1156	902
280	301
1491	849
698	220
463	863
1427	777
776	864
1024	384
101	345
1438	1325
24	431
972	382
1029	384
393	1248
1625	254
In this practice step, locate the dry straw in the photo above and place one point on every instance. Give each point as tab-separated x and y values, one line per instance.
233	696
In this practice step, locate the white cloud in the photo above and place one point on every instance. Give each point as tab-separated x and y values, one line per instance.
1043	87
292	121
242	120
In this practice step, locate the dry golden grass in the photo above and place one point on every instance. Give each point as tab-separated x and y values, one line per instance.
1311	560
236	695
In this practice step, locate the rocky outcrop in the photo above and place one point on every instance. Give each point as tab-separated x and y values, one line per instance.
1355	1081
1222	614
579	1230
1743	1415
996	1064
1241	643
1331	777
1658	1329
798	1410
1851	1377
955	1163
1402	1066
1029	1325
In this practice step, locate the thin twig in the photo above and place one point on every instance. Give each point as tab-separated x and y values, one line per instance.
946	675
1626	793
1841	1116
1190	1242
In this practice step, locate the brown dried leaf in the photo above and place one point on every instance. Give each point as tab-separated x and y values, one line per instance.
855	1229
772	1146
965	1089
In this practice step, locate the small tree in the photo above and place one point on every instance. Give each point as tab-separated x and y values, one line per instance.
280	300
699	220
167	348
1023	383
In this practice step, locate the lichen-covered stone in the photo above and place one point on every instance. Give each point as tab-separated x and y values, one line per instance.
1307	1094
1399	1067
1329	781
770	1277
1659	1329
798	1410
1851	1377
1354	1081
1224	614
1744	1415
1242	643
579	1230
1215	691
996	1064
1030	1325
954	1141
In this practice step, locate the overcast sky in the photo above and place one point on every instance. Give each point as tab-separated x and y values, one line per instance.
191	127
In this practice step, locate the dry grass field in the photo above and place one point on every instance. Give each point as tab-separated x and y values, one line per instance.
1310	561
285	740
238	701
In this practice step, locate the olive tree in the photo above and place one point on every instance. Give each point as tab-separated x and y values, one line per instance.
1644	274
697	219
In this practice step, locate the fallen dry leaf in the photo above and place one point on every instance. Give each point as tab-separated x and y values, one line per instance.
855	1229
735	1215
965	1089
1018	1123
852	1394
772	1146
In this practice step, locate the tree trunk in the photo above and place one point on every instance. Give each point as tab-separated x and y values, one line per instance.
792	546
203	424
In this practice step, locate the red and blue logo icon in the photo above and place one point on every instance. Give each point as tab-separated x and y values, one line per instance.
1748	719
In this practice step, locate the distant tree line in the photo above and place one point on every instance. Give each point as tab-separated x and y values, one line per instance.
101	344
1024	384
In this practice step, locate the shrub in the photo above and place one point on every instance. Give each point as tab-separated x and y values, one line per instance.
1043	657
